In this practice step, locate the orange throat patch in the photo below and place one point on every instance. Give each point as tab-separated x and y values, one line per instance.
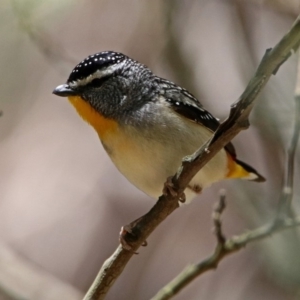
102	125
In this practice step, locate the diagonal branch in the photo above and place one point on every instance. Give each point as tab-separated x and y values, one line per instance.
166	204
225	247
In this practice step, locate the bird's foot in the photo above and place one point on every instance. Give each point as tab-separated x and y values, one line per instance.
127	235
169	188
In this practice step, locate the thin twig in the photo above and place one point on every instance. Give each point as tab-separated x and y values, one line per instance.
216	216
231	246
166	204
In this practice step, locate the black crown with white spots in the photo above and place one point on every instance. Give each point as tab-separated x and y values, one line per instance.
95	62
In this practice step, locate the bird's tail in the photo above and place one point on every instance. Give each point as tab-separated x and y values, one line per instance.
239	169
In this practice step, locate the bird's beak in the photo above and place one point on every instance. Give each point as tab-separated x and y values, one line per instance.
64	90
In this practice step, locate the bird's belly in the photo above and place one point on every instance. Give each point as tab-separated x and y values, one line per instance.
147	163
143	168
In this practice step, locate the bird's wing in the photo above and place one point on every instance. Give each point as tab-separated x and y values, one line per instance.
186	105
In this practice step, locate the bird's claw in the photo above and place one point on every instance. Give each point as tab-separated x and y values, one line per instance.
127	231
169	188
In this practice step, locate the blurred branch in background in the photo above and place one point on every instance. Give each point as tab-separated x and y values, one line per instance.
237	121
173	52
291	7
269	137
54	53
288	184
22	280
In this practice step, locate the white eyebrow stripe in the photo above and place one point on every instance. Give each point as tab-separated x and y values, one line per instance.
98	74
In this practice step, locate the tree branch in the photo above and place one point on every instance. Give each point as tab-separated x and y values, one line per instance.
166	204
225	247
216	216
231	245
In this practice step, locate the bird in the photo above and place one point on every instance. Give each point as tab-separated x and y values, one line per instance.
147	124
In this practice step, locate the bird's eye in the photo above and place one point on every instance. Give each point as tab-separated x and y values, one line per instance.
97	82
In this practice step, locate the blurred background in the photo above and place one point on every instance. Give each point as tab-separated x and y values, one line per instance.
62	201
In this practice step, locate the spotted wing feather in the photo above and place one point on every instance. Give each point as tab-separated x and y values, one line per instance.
185	104
188	106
